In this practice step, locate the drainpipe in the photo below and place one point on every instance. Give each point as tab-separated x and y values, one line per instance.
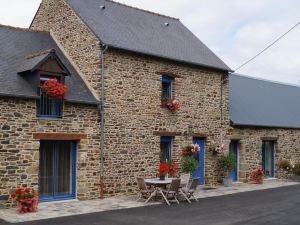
103	49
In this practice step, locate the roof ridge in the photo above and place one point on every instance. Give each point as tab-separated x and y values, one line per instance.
266	80
143	10
40	53
23	29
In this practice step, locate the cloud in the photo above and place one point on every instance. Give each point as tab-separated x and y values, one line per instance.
235	30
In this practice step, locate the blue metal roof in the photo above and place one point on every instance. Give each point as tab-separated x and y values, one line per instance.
257	102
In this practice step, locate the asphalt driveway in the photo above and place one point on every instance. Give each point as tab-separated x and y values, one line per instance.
279	206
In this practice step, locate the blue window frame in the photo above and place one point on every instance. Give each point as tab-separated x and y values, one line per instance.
48	107
167	87
57	170
166	149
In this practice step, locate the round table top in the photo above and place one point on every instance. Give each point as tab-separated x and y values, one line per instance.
158	181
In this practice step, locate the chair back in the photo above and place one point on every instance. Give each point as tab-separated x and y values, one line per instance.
185	178
194	183
141	183
175	185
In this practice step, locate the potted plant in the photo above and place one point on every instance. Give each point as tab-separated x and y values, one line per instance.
227	164
26	199
167	169
189	164
257	176
284	168
296	171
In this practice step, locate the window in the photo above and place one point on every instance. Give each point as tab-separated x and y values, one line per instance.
166	149
167	87
47	106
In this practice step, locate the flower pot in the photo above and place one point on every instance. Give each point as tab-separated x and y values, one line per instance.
227	182
162	177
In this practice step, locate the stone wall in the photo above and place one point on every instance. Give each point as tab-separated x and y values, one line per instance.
19	151
133	113
287	146
77	40
133	98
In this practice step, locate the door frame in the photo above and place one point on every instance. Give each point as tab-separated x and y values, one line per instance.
272	157
202	180
237	160
74	169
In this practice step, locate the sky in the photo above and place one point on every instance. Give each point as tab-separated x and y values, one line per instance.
235	30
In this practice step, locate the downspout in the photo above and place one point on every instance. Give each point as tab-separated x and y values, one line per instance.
103	49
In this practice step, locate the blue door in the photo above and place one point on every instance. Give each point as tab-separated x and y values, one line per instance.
200	171
233	149
268	158
57	170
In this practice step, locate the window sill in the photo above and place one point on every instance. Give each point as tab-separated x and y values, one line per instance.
48	118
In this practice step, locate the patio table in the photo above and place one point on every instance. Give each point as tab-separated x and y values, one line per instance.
157	183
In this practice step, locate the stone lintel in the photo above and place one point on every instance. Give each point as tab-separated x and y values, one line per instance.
170	74
269	138
59	136
166	133
199	135
235	138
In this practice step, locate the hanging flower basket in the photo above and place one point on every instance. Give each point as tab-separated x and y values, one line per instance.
54	89
27	200
191	150
172	105
217	150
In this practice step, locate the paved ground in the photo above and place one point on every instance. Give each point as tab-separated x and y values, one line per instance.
278	206
75	207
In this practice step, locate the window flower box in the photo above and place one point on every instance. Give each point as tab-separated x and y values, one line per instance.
172	105
54	89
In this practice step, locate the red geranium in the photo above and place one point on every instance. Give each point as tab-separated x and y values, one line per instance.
26	198
53	88
165	168
257	176
172	105
191	150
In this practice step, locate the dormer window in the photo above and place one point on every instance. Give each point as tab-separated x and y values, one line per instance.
46	73
49	106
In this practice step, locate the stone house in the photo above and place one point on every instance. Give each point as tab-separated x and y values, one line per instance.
118	62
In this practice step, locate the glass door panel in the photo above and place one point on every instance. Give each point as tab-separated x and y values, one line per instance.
63	168
268	158
57	170
46	170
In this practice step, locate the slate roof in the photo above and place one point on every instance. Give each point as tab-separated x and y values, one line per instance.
257	102
15	45
29	64
127	28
